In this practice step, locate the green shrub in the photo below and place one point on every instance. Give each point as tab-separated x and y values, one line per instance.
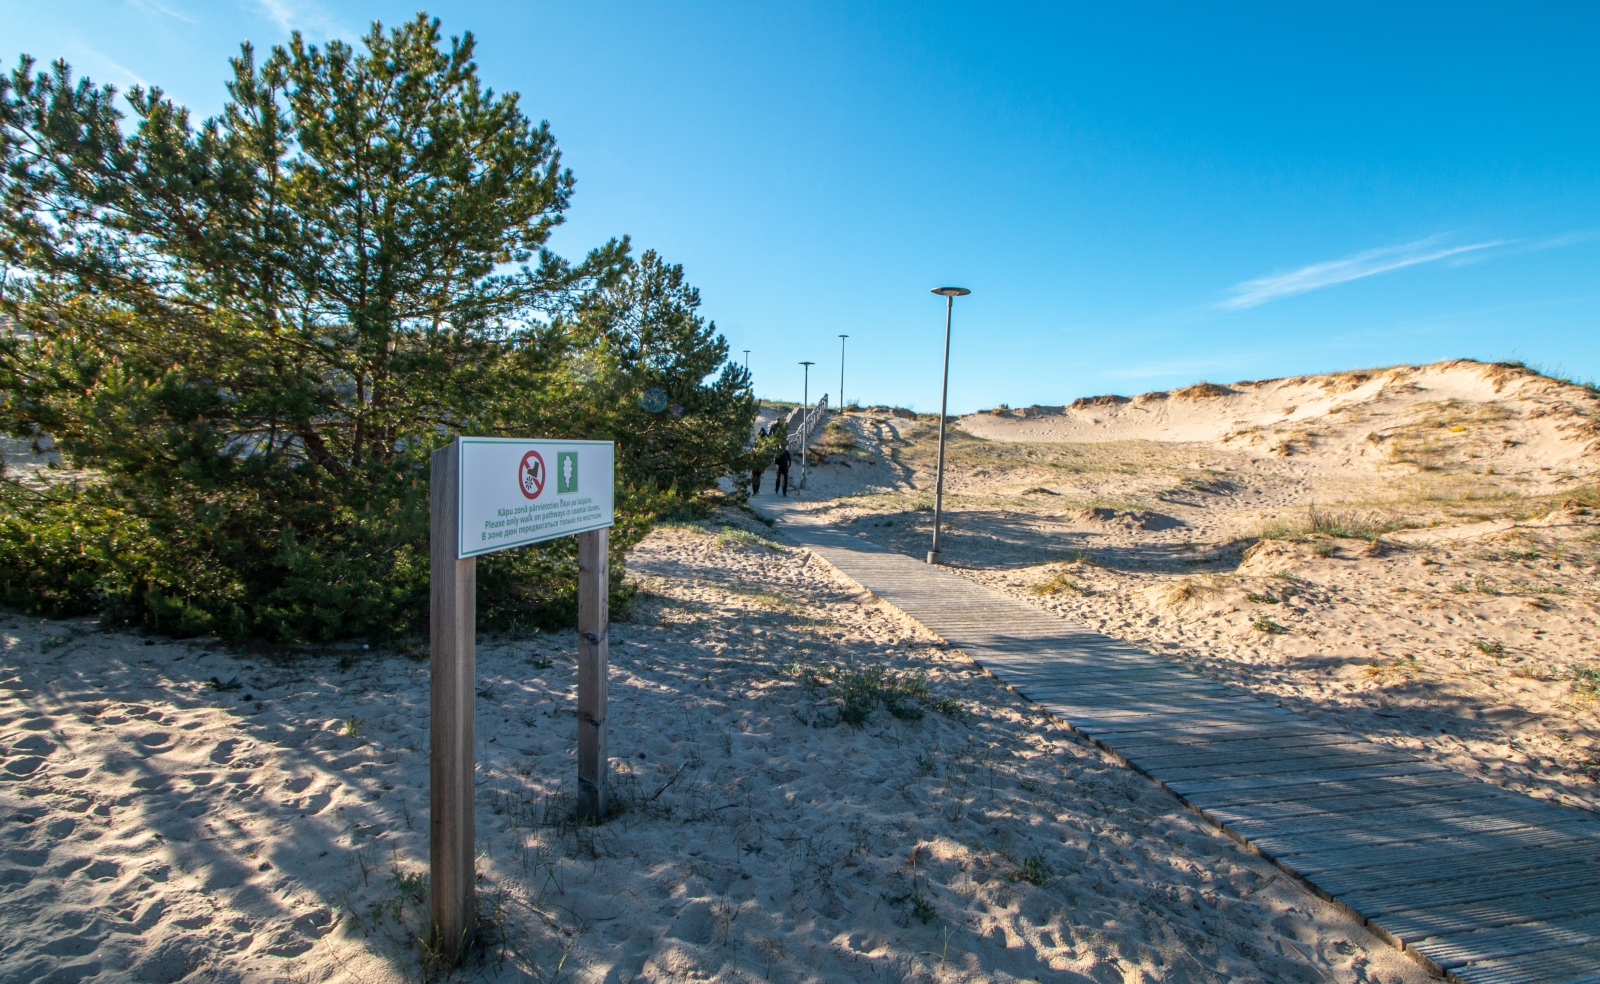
860	692
247	336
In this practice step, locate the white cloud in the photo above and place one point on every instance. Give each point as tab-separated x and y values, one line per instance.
1332	272
307	17
160	8
102	67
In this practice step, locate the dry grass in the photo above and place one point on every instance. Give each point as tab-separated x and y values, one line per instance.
1344	524
1441	434
1061	582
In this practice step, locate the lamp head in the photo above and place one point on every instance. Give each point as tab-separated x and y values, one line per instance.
952	291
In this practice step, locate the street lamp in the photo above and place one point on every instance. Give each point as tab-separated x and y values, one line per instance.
841	373
950	294
805	421
746	360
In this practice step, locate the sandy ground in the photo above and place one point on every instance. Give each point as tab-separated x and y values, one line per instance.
1451	603
810	787
186	811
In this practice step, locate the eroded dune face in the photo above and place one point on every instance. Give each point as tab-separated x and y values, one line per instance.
1505	417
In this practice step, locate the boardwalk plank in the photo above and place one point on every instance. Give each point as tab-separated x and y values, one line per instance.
1568	965
1440	921
1465	888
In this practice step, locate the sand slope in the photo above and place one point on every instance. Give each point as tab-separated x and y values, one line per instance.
1509	418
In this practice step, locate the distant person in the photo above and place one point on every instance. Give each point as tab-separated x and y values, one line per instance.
756	471
782	481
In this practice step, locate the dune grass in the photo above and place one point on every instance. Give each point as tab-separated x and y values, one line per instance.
1344	524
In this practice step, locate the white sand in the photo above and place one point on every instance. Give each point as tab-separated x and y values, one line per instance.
157	829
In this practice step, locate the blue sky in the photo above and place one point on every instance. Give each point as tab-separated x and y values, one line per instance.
1138	196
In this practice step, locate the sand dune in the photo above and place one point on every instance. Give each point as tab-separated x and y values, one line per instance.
1430	577
1512	419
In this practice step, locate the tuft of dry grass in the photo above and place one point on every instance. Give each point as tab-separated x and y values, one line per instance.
1586	682
1401	667
1344	524
1202	390
1061	582
732	535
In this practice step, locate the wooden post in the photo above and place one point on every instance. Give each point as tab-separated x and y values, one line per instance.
593	616
452	639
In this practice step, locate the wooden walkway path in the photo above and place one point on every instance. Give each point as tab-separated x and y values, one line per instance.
1481	884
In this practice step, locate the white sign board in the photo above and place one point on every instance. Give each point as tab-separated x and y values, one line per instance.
516	492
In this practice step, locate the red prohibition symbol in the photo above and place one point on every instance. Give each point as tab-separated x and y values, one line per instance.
531	475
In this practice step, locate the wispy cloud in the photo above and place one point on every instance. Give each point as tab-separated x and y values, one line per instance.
1365	264
154	6
304	16
1555	242
102	67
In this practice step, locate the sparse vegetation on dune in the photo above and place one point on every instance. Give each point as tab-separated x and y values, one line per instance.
1349	524
1435	578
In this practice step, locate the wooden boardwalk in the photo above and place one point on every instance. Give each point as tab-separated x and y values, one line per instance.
1481	884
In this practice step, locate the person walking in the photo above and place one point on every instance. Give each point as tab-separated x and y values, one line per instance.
756	471
782	481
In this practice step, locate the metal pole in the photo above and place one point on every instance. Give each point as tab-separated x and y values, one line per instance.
747	360
944	397
841	373
805	421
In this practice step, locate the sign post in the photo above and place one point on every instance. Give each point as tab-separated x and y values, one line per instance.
490	494
593	671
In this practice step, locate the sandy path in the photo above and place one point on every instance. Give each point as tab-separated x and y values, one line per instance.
159	829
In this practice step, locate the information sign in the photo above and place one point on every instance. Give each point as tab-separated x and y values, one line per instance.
489	494
515	492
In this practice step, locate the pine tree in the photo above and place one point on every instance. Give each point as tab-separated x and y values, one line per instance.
247	334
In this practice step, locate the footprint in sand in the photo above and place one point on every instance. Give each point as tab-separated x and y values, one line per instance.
224	752
36	744
27	765
315	804
102	870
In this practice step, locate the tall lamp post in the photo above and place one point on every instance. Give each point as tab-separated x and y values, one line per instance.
805	421
950	294
841	373
746	360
